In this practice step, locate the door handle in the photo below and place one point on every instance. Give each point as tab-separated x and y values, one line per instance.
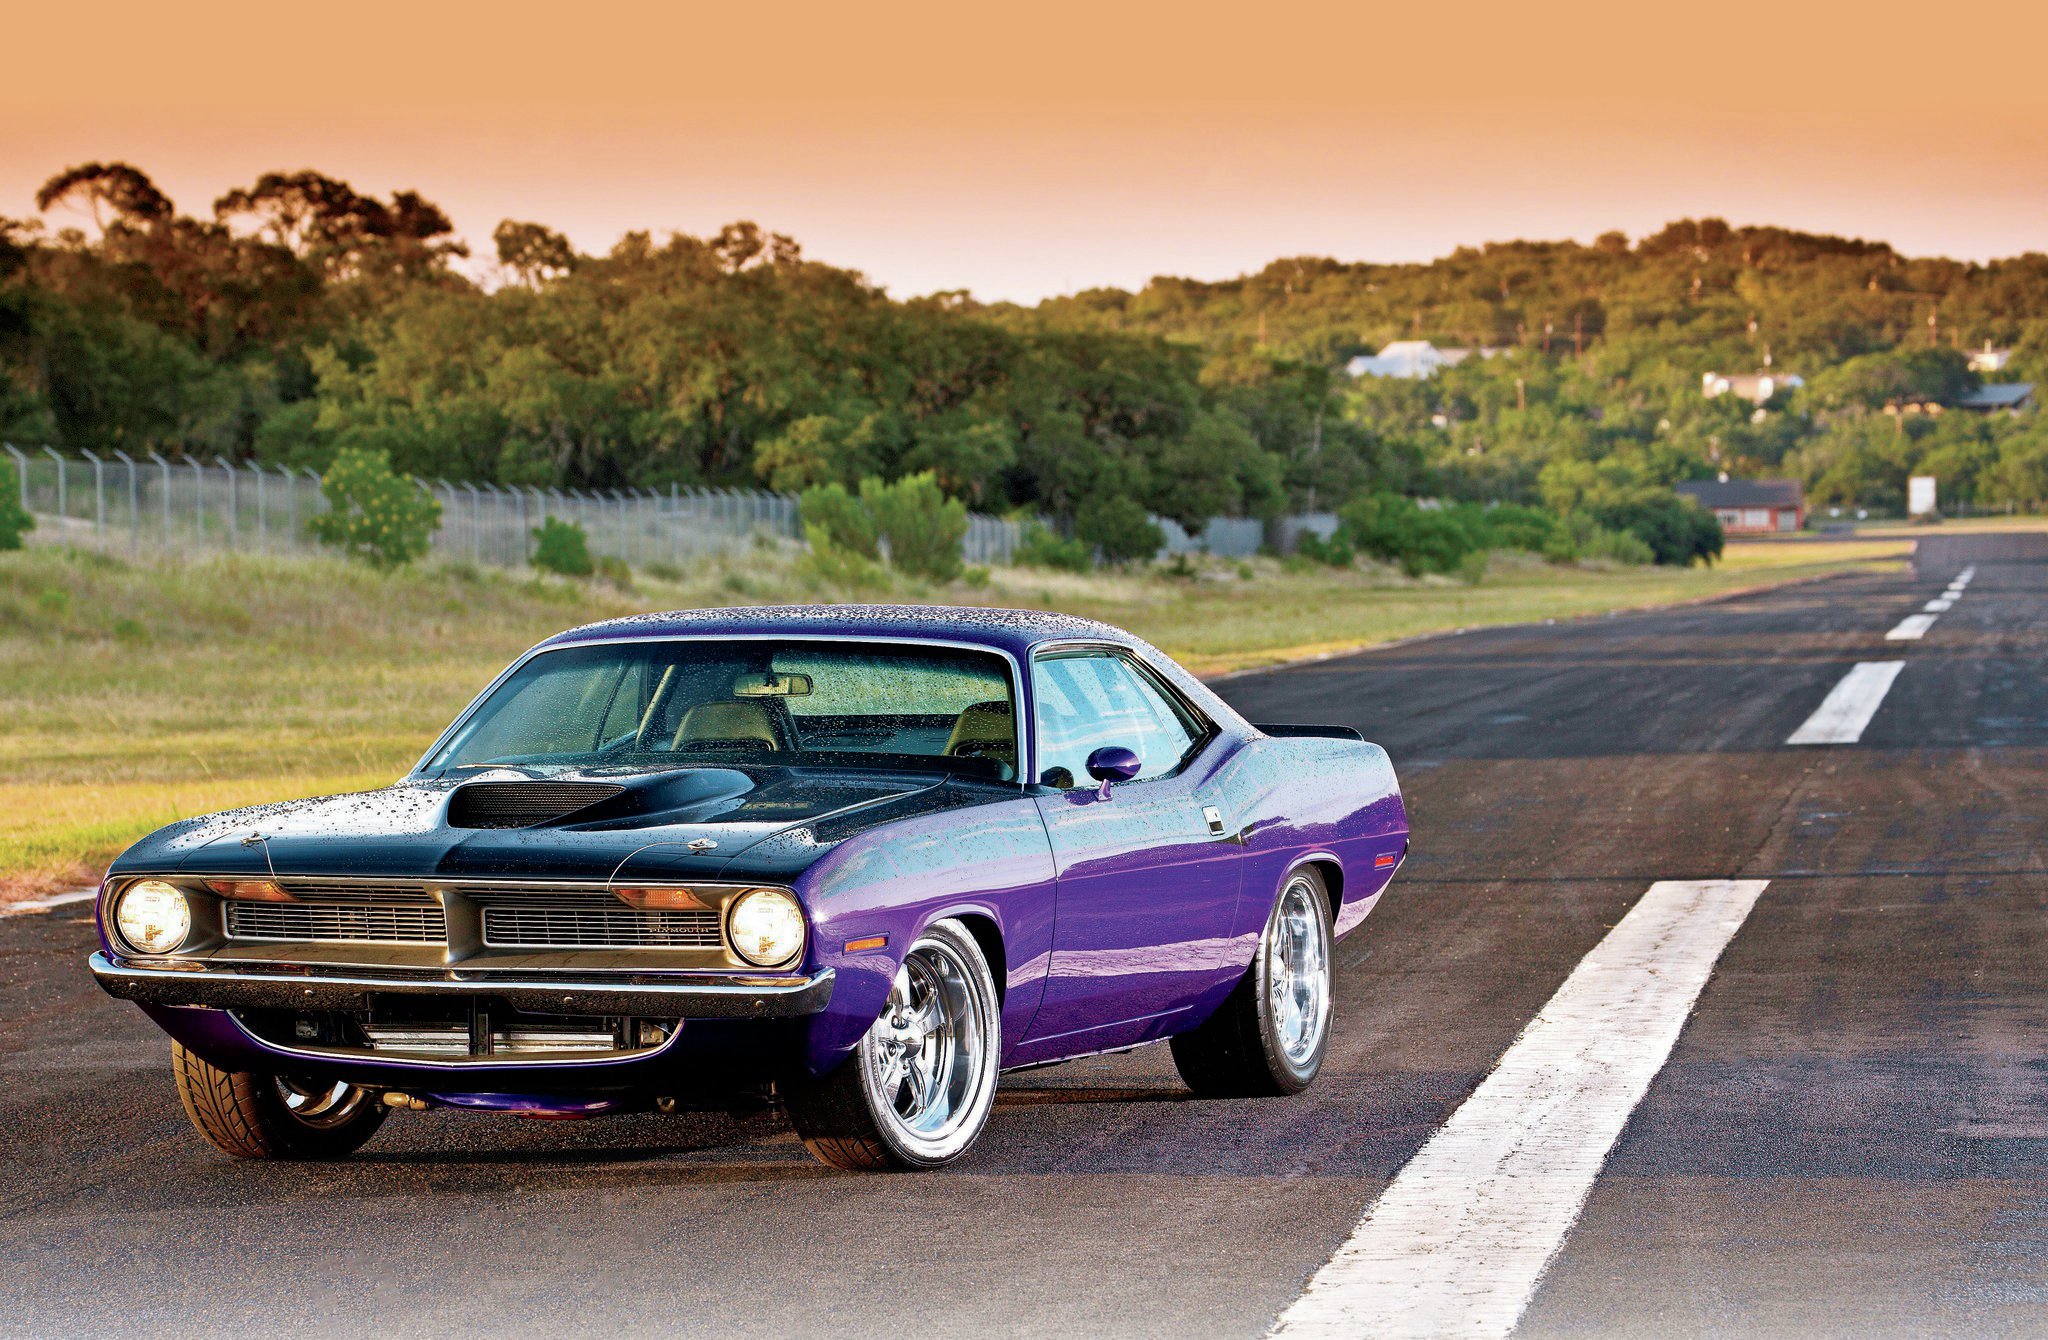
1215	819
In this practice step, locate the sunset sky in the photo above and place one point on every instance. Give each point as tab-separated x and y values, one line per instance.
1019	151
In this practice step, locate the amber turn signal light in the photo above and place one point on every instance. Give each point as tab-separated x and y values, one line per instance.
662	900
249	890
867	942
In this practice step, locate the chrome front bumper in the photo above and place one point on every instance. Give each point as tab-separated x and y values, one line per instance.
243	986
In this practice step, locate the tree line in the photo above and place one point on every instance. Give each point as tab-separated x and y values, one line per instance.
297	317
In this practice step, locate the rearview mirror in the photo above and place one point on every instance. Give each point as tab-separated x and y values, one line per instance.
771	686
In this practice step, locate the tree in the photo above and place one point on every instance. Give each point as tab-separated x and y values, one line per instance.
110	191
372	513
532	251
922	527
326	221
1118	528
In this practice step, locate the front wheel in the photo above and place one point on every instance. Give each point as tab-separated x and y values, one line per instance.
1268	1038
917	1091
255	1116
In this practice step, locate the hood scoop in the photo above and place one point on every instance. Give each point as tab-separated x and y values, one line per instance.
522	804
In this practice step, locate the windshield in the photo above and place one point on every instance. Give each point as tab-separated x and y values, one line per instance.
708	702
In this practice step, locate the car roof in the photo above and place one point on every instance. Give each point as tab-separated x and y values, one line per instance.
1009	630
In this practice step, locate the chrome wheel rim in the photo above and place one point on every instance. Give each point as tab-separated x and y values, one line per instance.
926	1060
1298	973
322	1106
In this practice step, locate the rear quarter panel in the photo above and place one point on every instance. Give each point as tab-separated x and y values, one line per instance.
1302	799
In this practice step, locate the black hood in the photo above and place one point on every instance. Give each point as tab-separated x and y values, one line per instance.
690	823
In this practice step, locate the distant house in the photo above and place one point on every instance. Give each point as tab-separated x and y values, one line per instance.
1749	506
1989	359
1990	398
1413	360
1755	387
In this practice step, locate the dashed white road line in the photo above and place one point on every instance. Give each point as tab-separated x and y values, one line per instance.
1940	605
46	904
1849	706
1458	1241
1911	628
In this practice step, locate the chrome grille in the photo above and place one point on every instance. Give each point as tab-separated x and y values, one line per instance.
386	924
568	926
339	891
453	1040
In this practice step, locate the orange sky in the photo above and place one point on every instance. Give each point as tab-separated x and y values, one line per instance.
1025	150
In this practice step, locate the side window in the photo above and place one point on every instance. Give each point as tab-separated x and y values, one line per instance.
1090	699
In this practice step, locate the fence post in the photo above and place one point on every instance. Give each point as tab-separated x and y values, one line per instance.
198	497
476	528
319	491
291	507
234	500
99	498
134	526
262	508
164	502
62	511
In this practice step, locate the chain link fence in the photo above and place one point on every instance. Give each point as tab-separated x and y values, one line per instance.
119	503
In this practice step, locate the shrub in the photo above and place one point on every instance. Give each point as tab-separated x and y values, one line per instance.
1119	529
838	520
614	570
15	519
1678	530
373	513
1396	530
1616	546
1335	551
920	524
1040	548
913	519
561	546
1512	527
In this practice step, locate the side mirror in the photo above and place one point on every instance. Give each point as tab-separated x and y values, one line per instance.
1112	763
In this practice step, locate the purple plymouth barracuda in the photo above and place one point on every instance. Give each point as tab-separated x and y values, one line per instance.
859	860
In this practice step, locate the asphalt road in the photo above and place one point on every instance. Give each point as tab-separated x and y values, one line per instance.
1850	1138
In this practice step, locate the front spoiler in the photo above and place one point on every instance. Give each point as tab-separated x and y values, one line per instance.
217	986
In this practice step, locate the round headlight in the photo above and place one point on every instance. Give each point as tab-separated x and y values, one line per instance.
152	916
766	926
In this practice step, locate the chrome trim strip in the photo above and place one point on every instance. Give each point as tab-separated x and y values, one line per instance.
720	996
498	1062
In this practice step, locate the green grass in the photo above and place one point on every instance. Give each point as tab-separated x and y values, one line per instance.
132	694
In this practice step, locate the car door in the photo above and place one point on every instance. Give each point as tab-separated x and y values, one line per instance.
1147	881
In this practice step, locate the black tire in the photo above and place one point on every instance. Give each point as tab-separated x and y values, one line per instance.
853	1118
253	1116
1240	1051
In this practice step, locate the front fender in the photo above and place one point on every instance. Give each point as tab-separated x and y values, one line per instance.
992	861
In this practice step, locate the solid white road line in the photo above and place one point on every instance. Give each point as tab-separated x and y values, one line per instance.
1849	706
1911	628
45	904
1457	1242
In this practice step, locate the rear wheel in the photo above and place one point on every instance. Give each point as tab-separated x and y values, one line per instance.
259	1116
1268	1038
917	1091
